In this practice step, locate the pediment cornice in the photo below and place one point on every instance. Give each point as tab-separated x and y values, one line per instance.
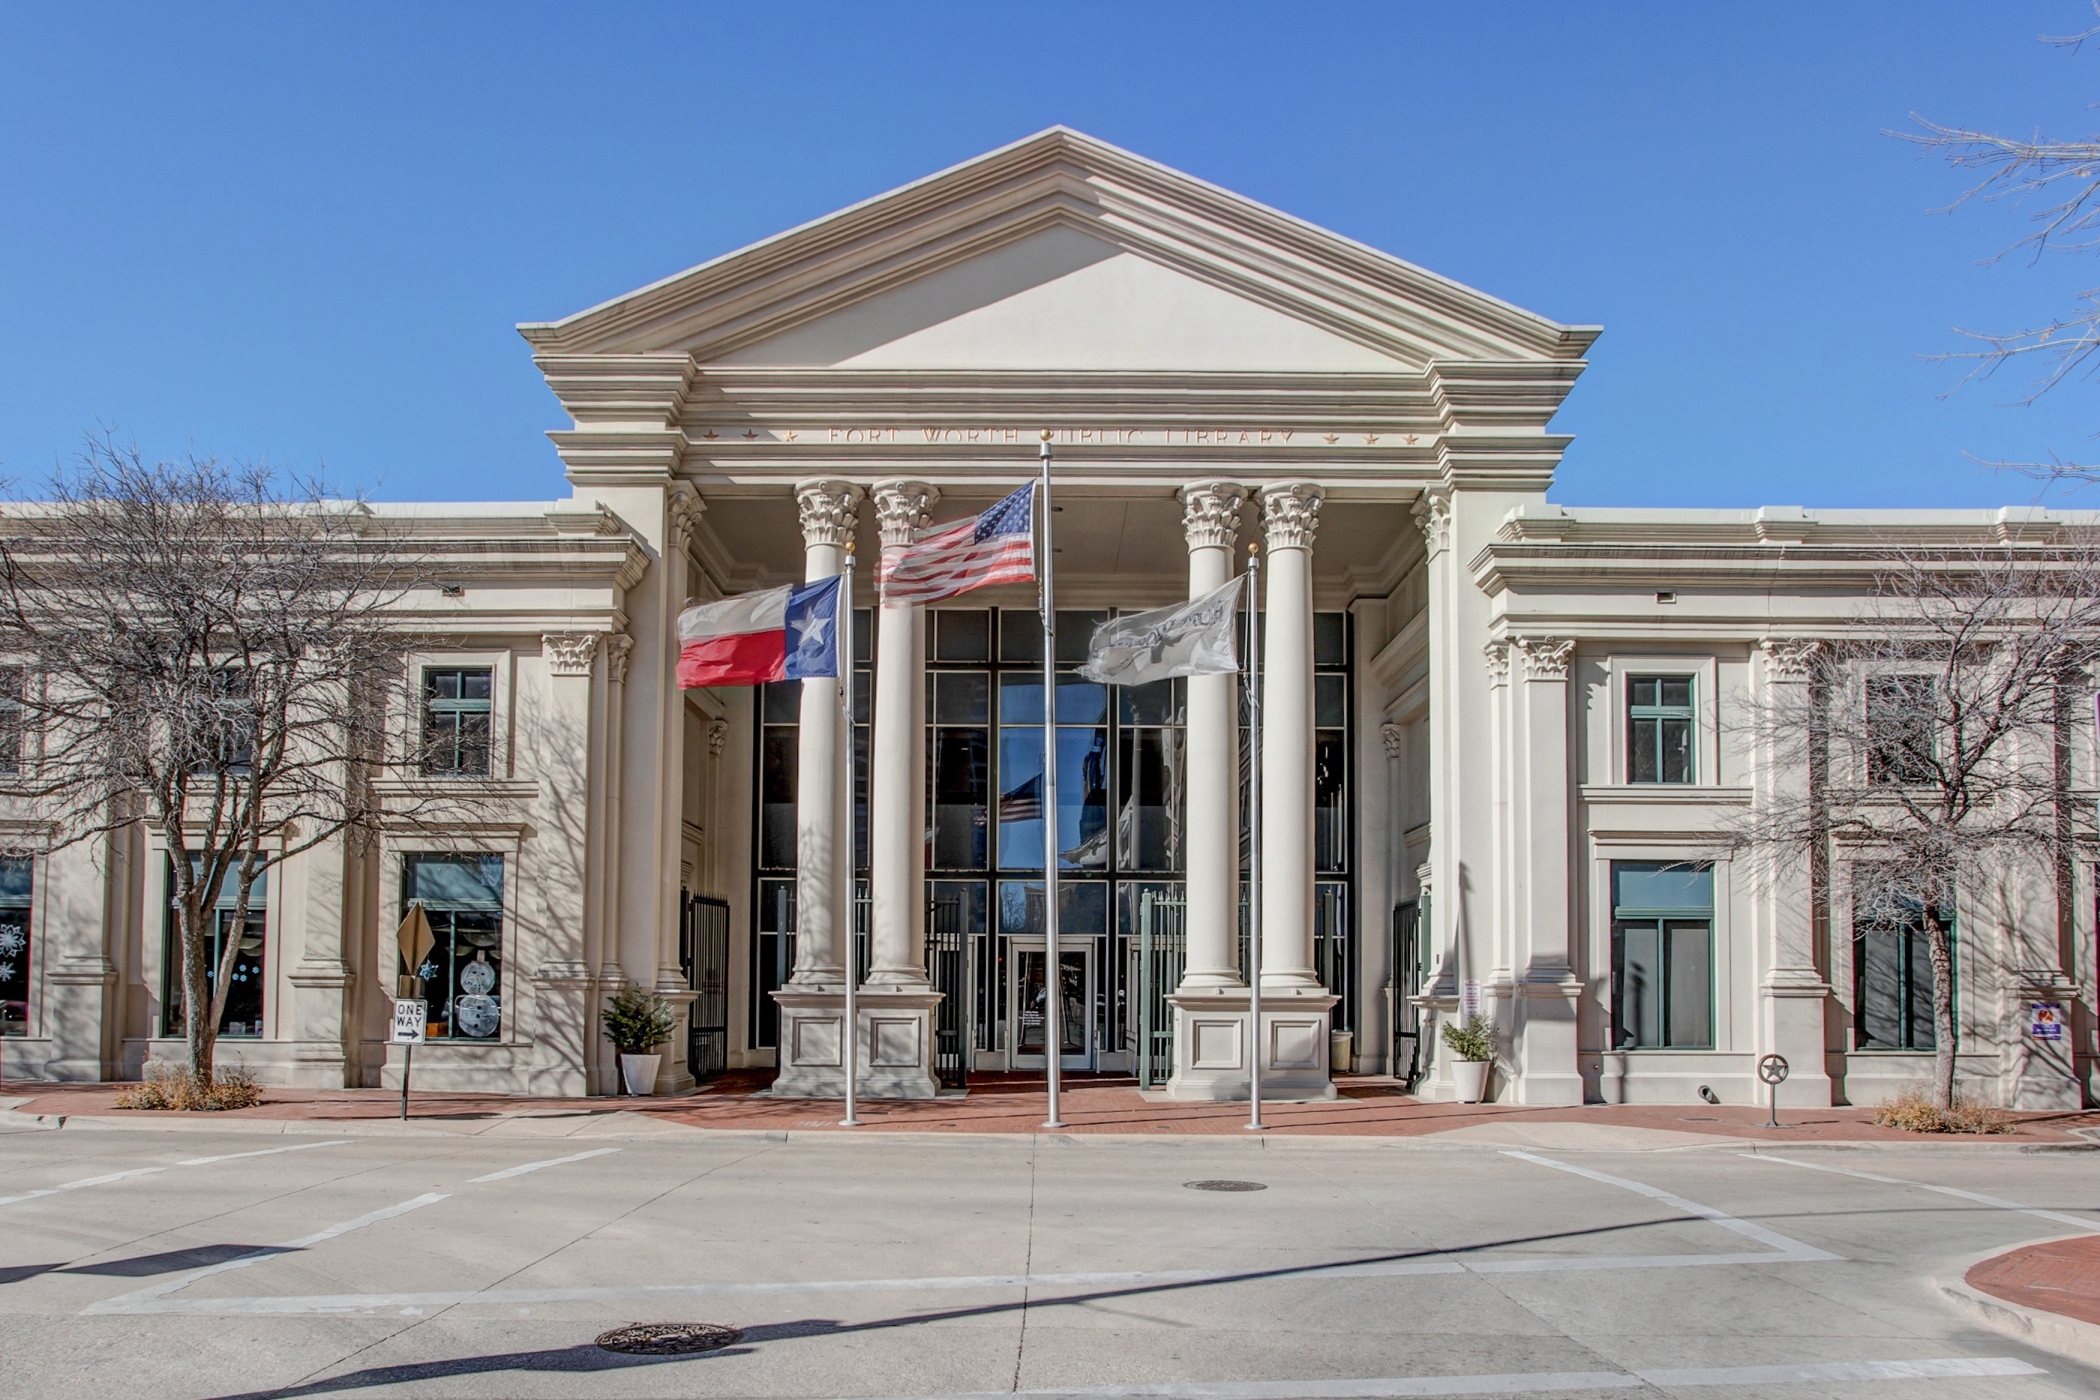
1060	177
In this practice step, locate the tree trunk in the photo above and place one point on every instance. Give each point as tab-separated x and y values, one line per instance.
1942	953
199	1027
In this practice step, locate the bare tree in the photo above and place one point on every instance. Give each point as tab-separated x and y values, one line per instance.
210	649
1935	736
2061	179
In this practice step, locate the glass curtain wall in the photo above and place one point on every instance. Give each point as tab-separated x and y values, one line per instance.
1119	829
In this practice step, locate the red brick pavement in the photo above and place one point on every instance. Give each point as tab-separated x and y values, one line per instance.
2063	1277
1369	1106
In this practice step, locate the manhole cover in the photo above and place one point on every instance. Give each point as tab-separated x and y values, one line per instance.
1224	1186
668	1338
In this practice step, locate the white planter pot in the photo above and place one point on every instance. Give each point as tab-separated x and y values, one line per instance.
1341	1046
640	1073
1470	1078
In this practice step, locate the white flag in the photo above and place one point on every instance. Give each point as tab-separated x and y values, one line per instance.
1195	638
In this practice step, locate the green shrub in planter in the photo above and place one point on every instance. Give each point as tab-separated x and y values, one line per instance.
637	1021
1475	1040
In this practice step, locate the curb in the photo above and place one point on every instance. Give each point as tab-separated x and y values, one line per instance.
2066	1336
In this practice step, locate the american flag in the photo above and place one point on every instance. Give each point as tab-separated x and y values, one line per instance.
997	547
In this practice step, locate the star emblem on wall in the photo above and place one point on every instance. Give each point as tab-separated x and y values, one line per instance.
749	435
1370	437
710	435
1413	438
789	435
1333	438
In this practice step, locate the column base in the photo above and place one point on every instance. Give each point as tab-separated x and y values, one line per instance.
1211	1042
1795	1013
893	1044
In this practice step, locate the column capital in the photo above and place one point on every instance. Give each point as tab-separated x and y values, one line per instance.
618	648
901	509
1788	658
1545	658
1394	738
569	653
1291	514
1497	654
1210	513
1433	516
828	512
717	737
684	507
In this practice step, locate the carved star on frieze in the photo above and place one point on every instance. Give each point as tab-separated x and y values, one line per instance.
710	435
789	435
749	435
1413	438
1333	438
1370	437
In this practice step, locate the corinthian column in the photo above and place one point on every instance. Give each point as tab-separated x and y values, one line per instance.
1211	520
897	798
823	859
1290	517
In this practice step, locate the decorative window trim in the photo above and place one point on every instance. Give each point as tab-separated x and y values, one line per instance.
407	725
1705	672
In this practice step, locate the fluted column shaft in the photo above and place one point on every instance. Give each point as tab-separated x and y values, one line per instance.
1290	518
823	854
897	797
1210	520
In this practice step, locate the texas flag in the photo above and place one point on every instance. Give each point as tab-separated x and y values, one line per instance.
780	634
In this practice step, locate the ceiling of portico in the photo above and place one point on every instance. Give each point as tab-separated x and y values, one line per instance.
1120	551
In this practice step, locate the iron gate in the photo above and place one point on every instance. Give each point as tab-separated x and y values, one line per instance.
703	955
1407	984
948	968
1158	954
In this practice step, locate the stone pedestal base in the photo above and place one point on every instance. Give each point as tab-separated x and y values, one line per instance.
1794	1015
1544	1041
1211	1043
893	1045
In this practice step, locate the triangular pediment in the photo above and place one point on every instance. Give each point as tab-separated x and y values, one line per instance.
1062	253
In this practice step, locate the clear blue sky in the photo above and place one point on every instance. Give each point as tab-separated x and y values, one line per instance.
307	231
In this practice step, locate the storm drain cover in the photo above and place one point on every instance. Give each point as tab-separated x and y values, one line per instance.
1224	1186
668	1338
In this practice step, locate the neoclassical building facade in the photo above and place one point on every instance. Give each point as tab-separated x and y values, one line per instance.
1500	740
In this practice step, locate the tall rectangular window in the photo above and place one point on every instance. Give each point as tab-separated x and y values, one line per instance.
1892	982
1662	956
456	719
1902	715
14	946
10	719
243	1016
1659	728
462	976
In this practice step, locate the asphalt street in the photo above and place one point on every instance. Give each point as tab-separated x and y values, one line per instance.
194	1262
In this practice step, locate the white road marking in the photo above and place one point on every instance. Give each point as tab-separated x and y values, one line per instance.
1792	1249
265	1152
1536	1382
76	1185
535	1166
125	1303
1977	1197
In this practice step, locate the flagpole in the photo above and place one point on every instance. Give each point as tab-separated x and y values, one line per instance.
1053	968
846	834
1254	1123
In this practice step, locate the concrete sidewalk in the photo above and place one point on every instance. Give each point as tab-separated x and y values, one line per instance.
1369	1107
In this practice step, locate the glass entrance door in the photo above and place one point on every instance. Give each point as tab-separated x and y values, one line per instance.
1031	1007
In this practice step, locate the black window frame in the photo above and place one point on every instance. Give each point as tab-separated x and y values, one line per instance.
458	707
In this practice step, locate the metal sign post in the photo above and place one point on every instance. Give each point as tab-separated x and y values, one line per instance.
1772	1069
411	1022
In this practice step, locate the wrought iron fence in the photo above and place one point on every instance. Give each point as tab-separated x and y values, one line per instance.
1407	984
703	955
948	967
1158	954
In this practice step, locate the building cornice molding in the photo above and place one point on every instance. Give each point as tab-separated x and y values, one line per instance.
1057	178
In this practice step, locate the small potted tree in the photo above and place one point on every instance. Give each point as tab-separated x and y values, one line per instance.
636	1022
1474	1045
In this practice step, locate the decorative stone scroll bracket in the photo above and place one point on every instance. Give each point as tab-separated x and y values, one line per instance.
1788	658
